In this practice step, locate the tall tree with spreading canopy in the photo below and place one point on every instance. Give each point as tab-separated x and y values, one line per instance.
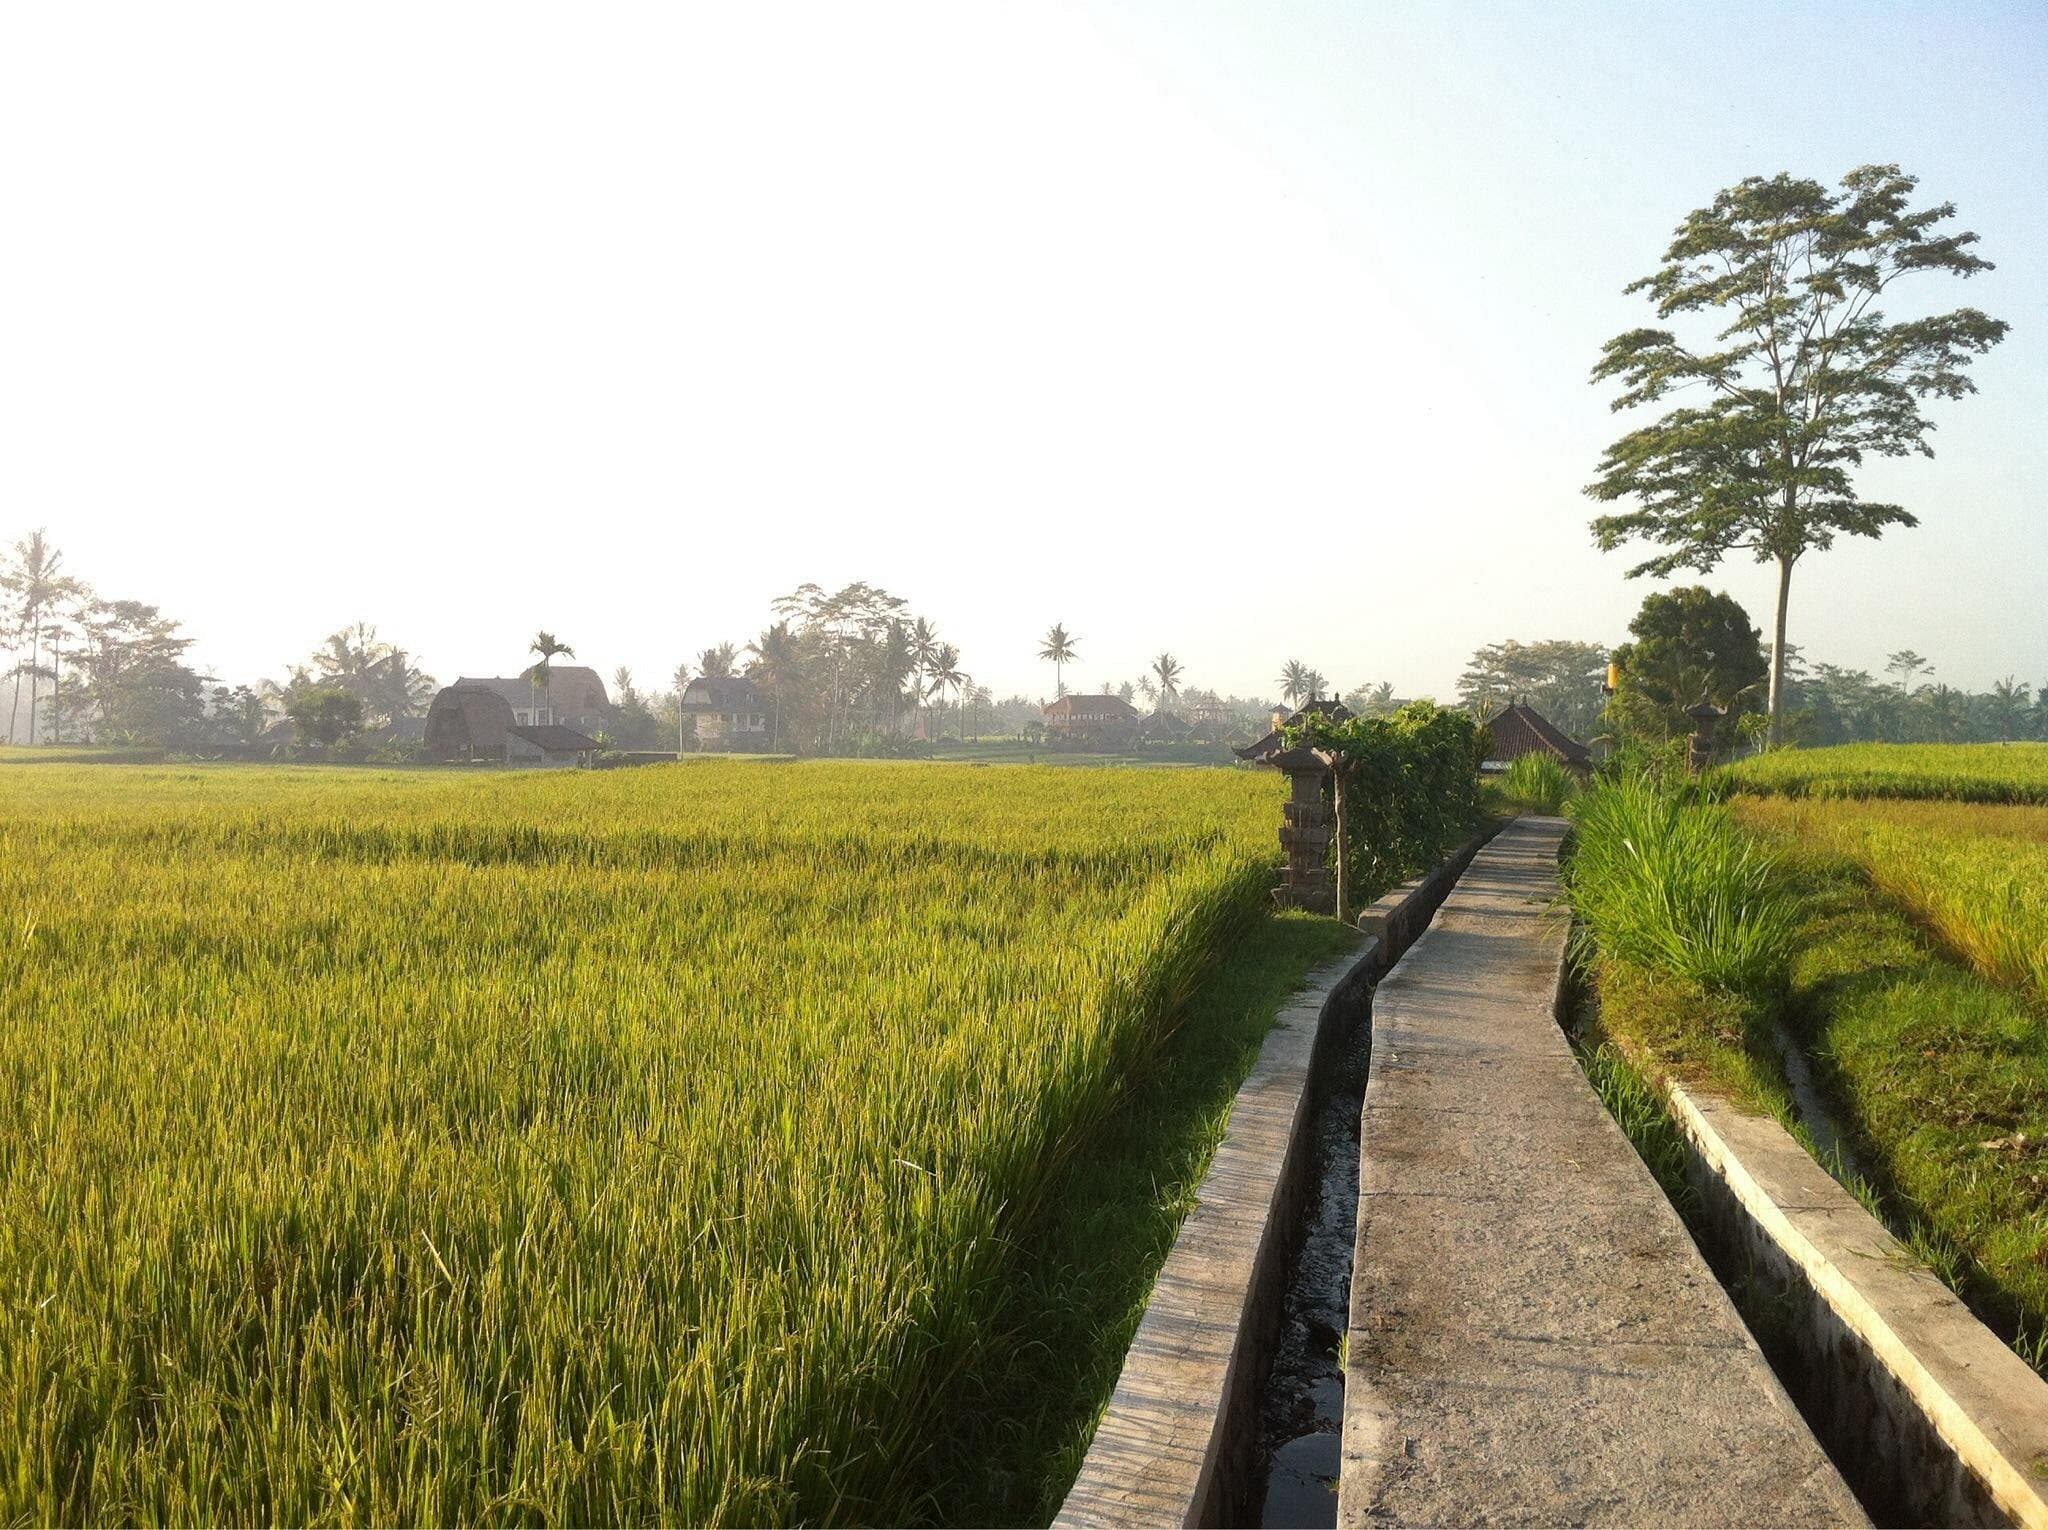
1690	645
1805	375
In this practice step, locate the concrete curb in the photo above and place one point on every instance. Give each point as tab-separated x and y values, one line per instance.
1534	1337
1939	1420
1179	1442
1399	916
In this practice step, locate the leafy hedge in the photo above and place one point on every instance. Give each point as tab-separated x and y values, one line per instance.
1411	788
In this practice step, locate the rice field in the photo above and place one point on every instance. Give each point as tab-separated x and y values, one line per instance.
2009	773
569	1148
1976	876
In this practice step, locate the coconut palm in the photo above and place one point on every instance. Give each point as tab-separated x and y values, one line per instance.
1294	682
776	665
1168	670
34	580
1316	684
716	663
1061	647
946	673
550	648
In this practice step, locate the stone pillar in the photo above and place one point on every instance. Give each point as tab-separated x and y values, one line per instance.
1700	754
1305	835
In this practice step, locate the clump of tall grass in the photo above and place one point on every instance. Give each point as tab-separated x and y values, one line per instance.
1671	883
1536	783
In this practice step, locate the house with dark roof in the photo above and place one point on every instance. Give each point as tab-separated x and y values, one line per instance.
574	697
1163	727
548	744
1520	729
467	721
1269	749
729	711
1101	718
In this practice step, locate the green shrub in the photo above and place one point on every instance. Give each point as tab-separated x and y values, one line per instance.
1411	788
1537	783
1671	883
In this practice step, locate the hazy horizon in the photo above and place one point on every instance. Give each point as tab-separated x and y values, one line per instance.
1249	332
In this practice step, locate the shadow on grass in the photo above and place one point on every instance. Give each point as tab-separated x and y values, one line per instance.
1080	1274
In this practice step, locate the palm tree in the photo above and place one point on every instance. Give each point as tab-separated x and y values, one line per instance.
2008	701
716	663
1294	682
946	673
1061	647
1169	670
922	638
34	580
776	665
549	648
1316	684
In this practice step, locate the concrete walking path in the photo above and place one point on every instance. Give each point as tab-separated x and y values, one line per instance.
1535	1339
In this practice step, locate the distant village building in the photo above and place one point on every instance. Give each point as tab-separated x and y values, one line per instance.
548	744
1269	749
1520	729
729	711
574	698
468	721
1164	728
1102	719
472	721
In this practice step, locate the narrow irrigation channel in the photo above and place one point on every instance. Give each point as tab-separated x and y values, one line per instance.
1301	1414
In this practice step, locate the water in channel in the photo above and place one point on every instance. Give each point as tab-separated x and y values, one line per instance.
1302	1414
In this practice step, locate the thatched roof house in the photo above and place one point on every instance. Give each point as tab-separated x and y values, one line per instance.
575	696
468	721
1520	729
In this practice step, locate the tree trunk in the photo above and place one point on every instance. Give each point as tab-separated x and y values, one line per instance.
35	673
1778	651
1343	875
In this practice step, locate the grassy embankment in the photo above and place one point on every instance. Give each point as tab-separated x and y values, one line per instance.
1898	944
702	1143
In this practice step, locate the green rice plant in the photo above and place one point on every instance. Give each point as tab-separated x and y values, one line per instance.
1978	876
1675	886
1994	773
582	1148
1536	783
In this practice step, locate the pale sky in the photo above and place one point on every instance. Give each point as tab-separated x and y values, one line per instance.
1252	331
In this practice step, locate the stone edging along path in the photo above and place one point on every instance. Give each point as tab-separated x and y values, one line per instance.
1179	1440
1940	1422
